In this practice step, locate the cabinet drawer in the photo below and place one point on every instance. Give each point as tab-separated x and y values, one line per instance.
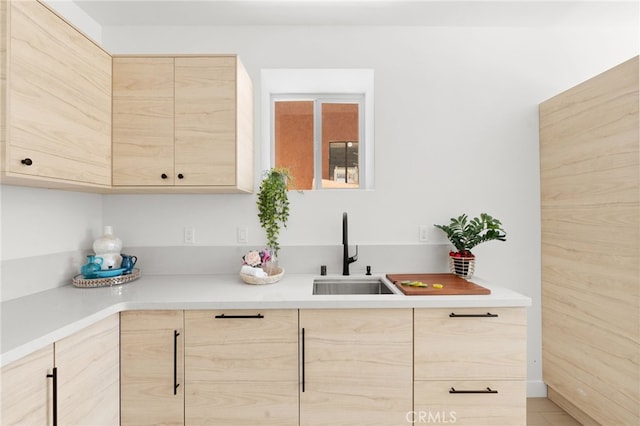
471	403
241	345
471	343
242	404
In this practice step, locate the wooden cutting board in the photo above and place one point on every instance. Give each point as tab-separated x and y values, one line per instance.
451	285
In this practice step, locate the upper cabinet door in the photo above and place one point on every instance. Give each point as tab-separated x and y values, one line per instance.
143	121
182	124
205	120
59	100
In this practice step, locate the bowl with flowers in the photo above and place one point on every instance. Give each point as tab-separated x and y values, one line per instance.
258	268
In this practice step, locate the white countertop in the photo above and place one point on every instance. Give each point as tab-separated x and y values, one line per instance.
32	322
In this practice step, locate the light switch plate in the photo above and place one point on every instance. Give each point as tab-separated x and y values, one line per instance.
189	235
423	235
243	235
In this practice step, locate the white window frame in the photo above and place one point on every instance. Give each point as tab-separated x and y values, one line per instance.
331	84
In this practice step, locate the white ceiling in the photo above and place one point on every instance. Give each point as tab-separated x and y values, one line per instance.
511	13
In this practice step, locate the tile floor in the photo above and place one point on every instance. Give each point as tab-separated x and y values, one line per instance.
543	412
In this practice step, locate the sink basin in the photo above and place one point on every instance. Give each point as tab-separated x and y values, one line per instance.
359	285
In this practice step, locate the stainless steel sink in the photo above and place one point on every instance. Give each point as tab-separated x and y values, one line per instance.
348	285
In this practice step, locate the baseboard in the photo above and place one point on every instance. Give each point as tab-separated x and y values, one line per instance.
570	408
536	389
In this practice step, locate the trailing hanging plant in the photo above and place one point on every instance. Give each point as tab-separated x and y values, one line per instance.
465	234
273	204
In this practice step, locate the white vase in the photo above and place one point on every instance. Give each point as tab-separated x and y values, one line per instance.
108	247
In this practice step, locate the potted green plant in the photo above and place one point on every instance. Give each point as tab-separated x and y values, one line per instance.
273	205
465	234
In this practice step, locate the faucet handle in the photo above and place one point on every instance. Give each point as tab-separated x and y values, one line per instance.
354	257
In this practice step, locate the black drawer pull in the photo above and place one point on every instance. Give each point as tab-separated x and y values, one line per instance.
487	390
180	176
302	360
54	398
26	161
175	362
487	315
223	316
164	176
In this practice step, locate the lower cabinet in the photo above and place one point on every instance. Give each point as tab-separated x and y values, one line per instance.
81	387
470	366
26	390
310	367
356	366
88	365
152	367
470	402
241	367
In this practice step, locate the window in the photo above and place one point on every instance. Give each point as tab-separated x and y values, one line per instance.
319	125
317	139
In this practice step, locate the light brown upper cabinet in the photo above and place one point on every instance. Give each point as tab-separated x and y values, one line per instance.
182	124
55	101
143	129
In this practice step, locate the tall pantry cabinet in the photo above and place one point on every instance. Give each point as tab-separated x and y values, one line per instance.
590	211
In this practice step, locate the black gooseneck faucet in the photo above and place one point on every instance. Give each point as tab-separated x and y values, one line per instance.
346	260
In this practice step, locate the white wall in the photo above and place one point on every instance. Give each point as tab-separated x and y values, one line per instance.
45	236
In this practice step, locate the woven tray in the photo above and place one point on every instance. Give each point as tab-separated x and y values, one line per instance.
80	281
249	279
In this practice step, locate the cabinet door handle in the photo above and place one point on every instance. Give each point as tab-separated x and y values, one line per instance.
54	376
302	359
487	390
487	315
164	176
27	161
223	316
175	362
180	176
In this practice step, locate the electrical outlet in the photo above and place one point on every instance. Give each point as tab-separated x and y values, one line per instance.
243	235
189	235
423	234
